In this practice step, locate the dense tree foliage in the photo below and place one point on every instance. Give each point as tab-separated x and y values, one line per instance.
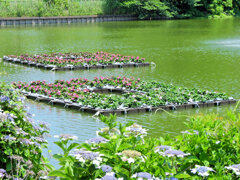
141	8
174	8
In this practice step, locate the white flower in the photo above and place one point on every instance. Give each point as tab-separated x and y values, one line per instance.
136	130
235	168
130	160
65	137
80	159
201	170
217	142
96	162
172	153
110	174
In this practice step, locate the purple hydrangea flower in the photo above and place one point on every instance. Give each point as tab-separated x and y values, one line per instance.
44	124
108	177
65	137
136	130
39	139
106	168
186	132
2	173
4	99
9	138
235	168
37	128
83	156
97	140
201	170
172	178
37	144
172	153
11	118
26	141
162	148
144	175
190	133
196	132
3	116
20	131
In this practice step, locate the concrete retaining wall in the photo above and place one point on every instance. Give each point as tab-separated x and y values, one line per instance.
64	20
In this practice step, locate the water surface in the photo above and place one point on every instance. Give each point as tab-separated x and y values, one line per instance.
193	53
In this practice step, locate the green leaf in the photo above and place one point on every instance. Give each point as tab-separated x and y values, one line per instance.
60	144
70	171
73	145
182	176
9	166
57	156
58	173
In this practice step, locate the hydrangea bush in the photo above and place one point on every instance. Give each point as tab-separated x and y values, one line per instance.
214	142
118	152
209	149
21	138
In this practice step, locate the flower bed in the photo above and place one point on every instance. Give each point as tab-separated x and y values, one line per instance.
21	139
136	96
73	61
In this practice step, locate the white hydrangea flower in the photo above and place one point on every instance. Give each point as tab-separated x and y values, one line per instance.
201	170
235	168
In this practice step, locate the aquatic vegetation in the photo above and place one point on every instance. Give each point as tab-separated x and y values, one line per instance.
75	60
133	93
21	138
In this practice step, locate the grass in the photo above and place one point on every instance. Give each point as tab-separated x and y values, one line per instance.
39	8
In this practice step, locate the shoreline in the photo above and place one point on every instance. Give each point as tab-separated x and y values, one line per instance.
13	21
64	19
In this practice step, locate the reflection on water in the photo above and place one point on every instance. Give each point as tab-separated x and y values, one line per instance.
191	53
235	43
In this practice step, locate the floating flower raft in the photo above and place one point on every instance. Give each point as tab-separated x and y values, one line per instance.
120	95
73	61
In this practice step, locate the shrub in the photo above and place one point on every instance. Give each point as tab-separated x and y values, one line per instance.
21	139
213	141
209	149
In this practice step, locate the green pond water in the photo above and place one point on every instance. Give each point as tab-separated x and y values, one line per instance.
197	53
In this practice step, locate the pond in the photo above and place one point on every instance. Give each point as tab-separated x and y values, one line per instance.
197	53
